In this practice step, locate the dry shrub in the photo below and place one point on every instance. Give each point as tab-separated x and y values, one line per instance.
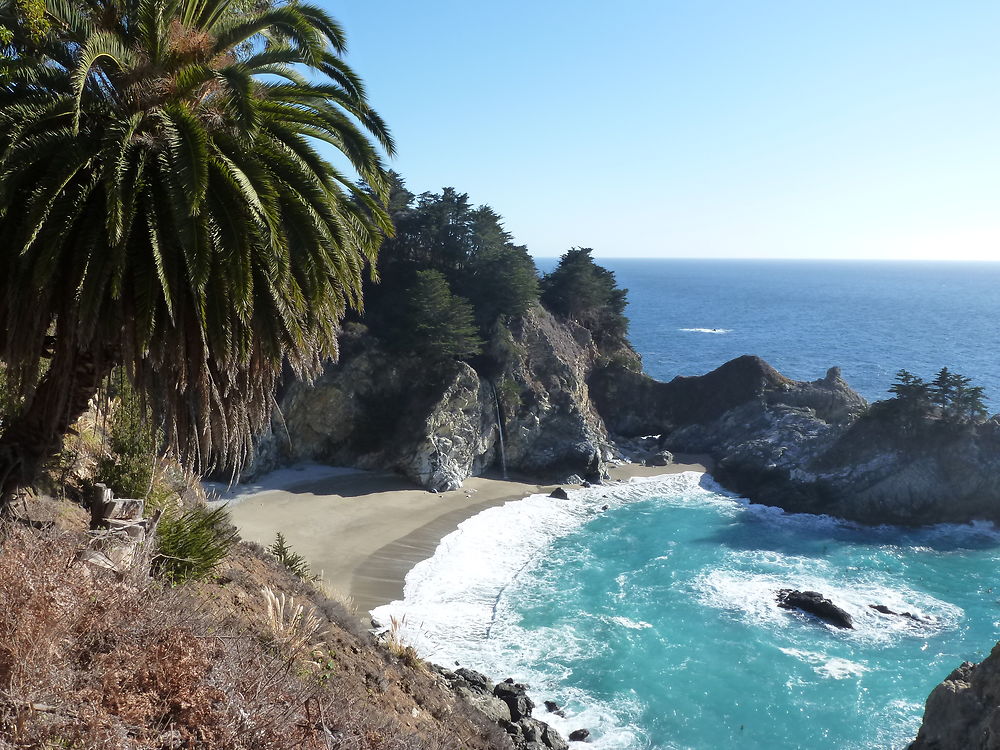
295	626
91	659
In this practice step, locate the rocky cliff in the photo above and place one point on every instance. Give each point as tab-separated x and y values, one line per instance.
557	397
440	423
811	447
963	712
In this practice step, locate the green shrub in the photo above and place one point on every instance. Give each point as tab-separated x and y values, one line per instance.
191	544
510	394
291	559
127	465
8	402
440	324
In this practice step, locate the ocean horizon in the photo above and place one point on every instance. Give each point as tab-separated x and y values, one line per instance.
870	318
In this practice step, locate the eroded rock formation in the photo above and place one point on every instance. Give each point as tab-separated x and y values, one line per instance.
963	712
438	424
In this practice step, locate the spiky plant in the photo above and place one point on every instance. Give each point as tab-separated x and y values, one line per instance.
163	206
291	559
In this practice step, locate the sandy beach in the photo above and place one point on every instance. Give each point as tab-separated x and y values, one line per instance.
365	530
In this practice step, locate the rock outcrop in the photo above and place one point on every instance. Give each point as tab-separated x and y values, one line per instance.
814	603
376	410
438	423
811	447
507	704
963	712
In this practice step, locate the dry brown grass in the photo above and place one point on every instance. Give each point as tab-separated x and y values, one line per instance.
90	659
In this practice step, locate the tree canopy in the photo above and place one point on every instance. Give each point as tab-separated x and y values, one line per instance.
470	250
163	206
950	398
581	290
440	324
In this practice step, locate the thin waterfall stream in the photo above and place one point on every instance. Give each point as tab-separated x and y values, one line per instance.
503	455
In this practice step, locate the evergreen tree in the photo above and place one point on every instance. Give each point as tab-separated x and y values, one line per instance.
950	397
911	390
942	388
441	325
968	403
583	291
469	246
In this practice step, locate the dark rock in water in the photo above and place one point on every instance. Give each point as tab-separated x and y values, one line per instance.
553	708
559	493
579	735
514	696
605	507
886	611
552	739
815	604
586	484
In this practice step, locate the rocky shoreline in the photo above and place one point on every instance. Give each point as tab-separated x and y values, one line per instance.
963	713
507	705
556	406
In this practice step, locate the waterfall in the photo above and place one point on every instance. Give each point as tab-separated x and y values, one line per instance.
503	455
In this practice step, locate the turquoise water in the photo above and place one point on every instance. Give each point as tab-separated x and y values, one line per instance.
654	622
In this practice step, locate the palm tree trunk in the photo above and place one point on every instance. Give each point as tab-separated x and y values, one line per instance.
35	435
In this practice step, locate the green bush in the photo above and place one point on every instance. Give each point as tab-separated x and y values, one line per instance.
127	465
8	401
441	324
191	544
291	559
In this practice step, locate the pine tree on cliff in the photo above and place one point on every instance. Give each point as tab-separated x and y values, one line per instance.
440	325
583	291
911	391
163	208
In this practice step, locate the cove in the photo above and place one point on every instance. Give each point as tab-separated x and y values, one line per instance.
654	622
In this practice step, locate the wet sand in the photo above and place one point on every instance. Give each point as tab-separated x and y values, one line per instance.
365	530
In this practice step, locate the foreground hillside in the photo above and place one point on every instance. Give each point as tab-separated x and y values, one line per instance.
91	658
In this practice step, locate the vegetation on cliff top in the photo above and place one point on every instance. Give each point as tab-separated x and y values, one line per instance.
949	399
452	278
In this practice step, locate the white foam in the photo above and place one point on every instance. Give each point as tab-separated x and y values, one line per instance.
455	610
630	624
835	667
706	330
751	597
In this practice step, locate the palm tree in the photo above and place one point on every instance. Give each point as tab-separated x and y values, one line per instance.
164	208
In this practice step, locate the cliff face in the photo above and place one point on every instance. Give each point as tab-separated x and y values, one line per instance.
438	424
963	712
804	446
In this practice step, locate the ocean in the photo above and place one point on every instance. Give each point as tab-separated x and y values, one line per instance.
653	622
869	318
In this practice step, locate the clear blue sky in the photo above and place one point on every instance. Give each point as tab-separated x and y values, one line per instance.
745	128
